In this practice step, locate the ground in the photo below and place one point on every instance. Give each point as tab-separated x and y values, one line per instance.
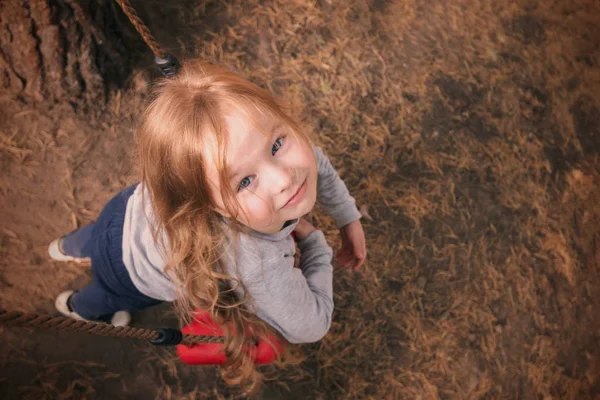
469	133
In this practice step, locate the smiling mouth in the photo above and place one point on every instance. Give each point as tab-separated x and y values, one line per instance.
295	199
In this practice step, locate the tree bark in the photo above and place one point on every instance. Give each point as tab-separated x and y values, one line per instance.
65	50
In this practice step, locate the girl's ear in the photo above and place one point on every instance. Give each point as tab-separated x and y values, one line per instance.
222	212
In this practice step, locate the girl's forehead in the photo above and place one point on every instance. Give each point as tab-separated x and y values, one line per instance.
244	132
247	119
247	133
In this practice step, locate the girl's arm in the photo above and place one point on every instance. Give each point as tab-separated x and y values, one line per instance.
332	192
337	202
298	302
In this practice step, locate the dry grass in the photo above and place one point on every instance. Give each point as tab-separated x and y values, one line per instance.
468	131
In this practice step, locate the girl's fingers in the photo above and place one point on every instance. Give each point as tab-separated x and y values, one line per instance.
360	257
344	258
352	257
358	263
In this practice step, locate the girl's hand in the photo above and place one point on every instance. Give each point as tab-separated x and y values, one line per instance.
354	248
303	229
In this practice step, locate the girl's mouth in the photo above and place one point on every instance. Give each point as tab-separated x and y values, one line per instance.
298	196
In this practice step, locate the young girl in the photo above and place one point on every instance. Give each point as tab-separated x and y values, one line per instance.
227	177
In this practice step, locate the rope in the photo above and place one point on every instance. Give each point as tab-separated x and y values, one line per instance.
60	323
142	29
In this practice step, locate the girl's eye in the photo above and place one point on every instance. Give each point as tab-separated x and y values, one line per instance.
277	145
244	183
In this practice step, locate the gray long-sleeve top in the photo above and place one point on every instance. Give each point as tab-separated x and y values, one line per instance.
298	302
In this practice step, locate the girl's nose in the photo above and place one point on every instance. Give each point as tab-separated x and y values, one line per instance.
280	177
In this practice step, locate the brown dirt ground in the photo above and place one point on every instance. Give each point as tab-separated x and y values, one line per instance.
468	130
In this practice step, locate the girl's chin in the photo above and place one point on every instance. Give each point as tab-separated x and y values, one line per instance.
301	210
309	203
297	211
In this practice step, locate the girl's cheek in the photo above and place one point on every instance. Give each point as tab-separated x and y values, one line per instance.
257	209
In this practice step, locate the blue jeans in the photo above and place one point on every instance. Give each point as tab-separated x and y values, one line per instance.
112	289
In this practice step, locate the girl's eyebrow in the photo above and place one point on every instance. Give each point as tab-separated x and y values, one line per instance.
276	126
235	171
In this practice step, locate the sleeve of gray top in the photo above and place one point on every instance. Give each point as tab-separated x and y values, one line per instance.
298	302
332	192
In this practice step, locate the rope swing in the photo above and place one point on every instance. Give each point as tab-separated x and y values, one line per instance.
167	63
159	337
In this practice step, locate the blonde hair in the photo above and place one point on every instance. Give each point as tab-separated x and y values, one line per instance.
186	109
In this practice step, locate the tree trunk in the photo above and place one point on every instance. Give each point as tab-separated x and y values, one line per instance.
65	50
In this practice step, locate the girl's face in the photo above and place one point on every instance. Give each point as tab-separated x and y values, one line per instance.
273	173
